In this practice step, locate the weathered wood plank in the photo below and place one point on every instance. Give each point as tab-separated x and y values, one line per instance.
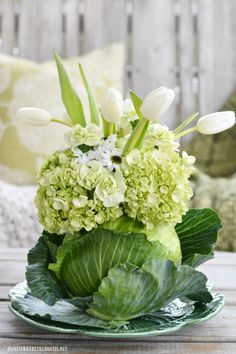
12	272
124	347
104	23
211	330
153	49
72	34
13	254
8	26
40	28
223	277
217	52
186	58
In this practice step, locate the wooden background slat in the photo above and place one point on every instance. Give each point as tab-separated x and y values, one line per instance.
8	26
217	52
186	58
40	28
104	23
153	47
72	34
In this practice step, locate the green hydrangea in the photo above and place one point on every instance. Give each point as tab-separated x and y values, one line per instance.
157	185
85	189
66	198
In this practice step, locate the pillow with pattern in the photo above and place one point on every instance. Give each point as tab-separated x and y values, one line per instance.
24	83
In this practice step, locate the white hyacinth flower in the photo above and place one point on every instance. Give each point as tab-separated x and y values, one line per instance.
112	105
156	103
216	122
34	116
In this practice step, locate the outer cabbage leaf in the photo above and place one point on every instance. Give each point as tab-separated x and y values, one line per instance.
42	282
128	291
61	311
198	234
82	263
165	234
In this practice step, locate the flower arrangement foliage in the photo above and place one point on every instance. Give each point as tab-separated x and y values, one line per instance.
119	240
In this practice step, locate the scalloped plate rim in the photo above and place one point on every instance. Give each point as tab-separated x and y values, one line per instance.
157	332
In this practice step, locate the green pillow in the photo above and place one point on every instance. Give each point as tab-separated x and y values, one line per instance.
24	83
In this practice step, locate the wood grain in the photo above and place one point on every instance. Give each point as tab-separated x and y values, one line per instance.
216	336
96	346
217	52
104	23
153	48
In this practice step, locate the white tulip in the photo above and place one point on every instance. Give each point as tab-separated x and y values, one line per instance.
112	105
34	116
216	122
156	103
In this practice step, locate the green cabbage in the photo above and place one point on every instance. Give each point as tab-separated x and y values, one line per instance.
122	271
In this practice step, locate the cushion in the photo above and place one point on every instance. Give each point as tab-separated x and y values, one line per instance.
25	83
18	217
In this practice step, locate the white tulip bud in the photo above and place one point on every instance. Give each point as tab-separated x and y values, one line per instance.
216	122
34	116
156	103
112	105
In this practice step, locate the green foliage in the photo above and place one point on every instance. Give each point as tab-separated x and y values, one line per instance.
69	96
42	282
128	291
82	263
94	112
198	234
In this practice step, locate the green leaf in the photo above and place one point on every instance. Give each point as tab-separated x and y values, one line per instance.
94	112
83	262
137	103
61	311
69	96
166	235
129	291
42	282
125	293
198	234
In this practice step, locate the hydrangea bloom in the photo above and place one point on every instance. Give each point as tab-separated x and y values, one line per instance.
73	195
157	180
84	189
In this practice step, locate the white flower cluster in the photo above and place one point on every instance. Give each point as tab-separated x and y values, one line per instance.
107	153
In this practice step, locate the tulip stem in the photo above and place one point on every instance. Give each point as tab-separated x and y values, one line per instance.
186	123
185	132
137	136
56	120
111	128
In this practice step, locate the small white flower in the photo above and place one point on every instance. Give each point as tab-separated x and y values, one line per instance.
156	103
188	159
216	122
34	116
112	105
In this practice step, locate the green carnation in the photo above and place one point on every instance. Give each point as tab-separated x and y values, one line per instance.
91	135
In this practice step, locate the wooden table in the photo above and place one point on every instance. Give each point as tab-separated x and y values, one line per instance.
216	336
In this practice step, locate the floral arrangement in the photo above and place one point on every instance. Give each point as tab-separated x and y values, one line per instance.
119	242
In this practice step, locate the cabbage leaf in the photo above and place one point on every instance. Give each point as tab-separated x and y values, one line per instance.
198	234
82	263
128	291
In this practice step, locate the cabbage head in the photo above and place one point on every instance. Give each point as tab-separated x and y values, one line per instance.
120	272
